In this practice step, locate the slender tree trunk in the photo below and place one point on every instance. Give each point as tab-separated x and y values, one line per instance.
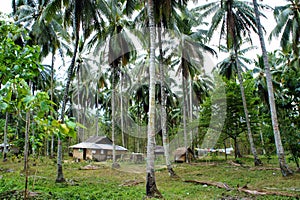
139	127
5	137
51	98
191	111
121	112
151	189
33	146
26	154
233	35
163	107
113	94
235	148
52	146
184	109
262	141
225	150
84	119
280	151
79	136
237	153
257	161
26	145
97	112
60	176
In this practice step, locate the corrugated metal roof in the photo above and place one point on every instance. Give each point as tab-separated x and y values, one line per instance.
2	145
99	139
88	145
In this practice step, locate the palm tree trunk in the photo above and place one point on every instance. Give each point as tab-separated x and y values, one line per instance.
262	141
121	111
69	78
52	146
233	36
257	161
184	109
60	176
79	136
51	98
113	94
33	148
163	106
191	110
97	111
151	189
280	151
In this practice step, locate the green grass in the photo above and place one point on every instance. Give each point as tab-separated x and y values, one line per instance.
106	183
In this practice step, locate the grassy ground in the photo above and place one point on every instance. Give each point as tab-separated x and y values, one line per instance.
106	183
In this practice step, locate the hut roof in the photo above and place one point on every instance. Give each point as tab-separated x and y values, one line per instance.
181	151
89	145
99	140
2	145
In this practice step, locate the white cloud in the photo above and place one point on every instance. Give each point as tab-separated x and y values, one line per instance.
6	6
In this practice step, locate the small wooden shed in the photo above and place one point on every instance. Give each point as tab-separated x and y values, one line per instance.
180	154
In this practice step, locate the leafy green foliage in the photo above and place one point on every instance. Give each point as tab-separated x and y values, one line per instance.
16	58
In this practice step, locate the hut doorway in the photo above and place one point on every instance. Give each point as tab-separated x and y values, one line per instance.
84	154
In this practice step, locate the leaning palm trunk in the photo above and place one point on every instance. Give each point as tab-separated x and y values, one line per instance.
233	36
257	161
60	176
280	151
151	189
5	137
163	107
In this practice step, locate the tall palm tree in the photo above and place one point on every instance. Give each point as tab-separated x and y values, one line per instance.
164	11
280	151
119	50
236	19
190	61
80	15
151	189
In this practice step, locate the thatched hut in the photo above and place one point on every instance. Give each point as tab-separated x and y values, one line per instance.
180	154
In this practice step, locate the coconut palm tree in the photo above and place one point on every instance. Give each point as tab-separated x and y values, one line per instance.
120	50
288	25
163	12
280	151
151	189
236	19
80	15
190	60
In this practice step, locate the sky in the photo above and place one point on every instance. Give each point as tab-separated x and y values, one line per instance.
267	23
